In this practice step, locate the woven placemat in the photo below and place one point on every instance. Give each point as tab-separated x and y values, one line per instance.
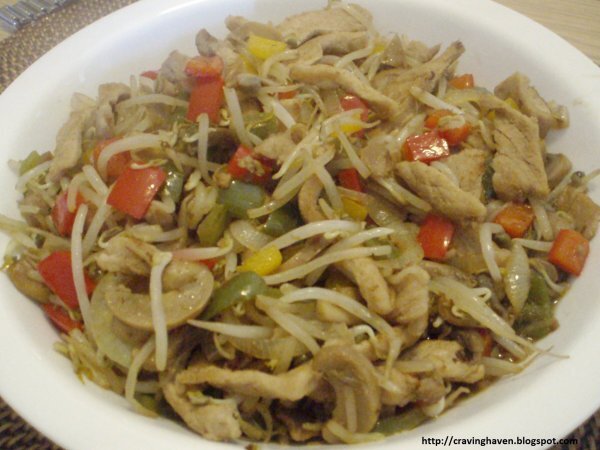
16	54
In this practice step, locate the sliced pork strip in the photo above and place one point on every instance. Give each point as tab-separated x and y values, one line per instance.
440	192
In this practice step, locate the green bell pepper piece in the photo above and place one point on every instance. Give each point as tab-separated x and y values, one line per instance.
282	220
213	226
241	288
174	182
536	319
401	422
240	197
261	124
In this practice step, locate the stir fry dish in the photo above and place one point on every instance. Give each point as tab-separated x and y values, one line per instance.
306	232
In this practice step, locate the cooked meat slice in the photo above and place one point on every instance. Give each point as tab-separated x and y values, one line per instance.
69	139
173	70
328	312
406	54
518	165
585	212
376	156
279	145
126	255
354	380
206	43
340	43
291	386
448	360
430	390
426	388
373	287
557	166
216	421
411	302
300	28
396	83
308	198
519	88
241	28
469	165
405	387
109	94
329	77
436	188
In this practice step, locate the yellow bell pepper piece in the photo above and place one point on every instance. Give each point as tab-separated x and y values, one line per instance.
354	209
350	128
379	47
263	262
264	48
510	102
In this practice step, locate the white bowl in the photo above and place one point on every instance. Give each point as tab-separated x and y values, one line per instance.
548	400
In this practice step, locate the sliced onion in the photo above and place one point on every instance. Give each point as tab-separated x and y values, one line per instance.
517	280
487	249
101	325
247	235
472	302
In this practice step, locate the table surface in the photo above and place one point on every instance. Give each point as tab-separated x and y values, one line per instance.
577	21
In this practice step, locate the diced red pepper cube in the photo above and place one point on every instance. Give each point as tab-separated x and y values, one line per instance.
426	147
569	251
61	318
435	236
350	179
57	272
135	189
245	165
62	218
206	97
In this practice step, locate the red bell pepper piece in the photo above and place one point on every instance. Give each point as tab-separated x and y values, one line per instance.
61	318
453	136
569	251
435	236
349	102
57	272
210	263
287	94
204	67
426	147
463	81
245	165
62	218
152	74
134	190
350	179
117	163
433	118
516	218
206	97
